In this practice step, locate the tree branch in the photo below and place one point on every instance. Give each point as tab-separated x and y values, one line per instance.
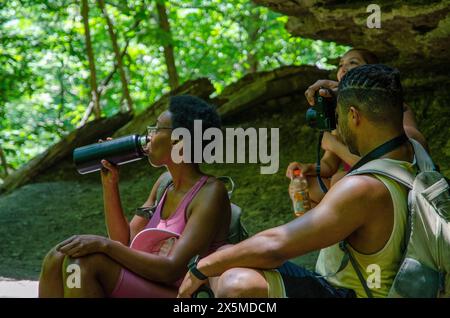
113	36
3	162
104	84
90	54
168	47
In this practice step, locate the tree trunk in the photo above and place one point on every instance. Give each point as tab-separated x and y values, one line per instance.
254	32
3	162
104	84
252	60
101	89
93	78
168	47
123	78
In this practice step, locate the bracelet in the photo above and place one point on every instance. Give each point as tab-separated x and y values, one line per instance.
194	270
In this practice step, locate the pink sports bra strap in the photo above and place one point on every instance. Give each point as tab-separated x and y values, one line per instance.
192	192
179	215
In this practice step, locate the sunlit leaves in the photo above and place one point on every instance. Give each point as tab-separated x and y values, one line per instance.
44	72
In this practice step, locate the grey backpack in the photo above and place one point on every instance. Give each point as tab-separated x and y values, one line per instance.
237	231
425	268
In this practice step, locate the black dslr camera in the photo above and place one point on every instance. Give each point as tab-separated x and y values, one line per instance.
322	116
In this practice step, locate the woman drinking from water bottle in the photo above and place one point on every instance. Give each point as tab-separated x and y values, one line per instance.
195	208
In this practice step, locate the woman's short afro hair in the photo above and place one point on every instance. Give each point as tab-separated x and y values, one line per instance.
186	108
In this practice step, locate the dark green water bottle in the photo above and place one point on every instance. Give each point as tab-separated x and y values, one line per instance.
117	151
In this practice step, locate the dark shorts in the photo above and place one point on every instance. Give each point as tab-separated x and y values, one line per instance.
302	283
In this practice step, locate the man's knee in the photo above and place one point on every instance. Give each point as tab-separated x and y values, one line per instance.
237	282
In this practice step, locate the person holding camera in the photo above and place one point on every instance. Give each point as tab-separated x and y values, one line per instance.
195	207
365	215
337	159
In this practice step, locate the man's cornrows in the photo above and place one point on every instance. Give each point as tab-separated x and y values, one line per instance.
372	76
375	89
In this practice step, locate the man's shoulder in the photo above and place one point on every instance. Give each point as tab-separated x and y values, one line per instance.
360	183
363	189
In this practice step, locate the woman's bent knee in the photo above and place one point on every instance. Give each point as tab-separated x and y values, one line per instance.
88	263
53	259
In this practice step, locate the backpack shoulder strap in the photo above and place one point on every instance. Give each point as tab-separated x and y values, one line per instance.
423	159
348	254
388	169
225	180
147	212
346	258
396	172
165	181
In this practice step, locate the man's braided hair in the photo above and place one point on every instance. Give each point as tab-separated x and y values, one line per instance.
375	90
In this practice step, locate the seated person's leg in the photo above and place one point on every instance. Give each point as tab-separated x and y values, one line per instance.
240	283
103	277
302	283
131	285
290	280
50	280
98	276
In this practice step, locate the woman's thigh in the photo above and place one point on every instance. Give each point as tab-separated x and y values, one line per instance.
95	266
131	285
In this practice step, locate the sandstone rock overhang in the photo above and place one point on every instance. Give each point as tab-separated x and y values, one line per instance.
411	32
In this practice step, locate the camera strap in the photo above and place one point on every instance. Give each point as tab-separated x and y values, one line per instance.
322	185
381	151
374	154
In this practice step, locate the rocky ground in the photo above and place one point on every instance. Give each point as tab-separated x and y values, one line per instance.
10	288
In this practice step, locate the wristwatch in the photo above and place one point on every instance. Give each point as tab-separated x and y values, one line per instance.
194	270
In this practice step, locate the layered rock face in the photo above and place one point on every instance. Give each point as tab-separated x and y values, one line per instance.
410	33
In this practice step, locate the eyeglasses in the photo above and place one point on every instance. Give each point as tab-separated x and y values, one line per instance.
151	130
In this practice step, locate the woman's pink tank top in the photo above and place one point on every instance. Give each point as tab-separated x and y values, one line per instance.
177	221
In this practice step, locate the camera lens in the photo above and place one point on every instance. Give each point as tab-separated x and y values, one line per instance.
311	117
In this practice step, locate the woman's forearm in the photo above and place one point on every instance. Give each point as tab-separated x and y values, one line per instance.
342	152
329	164
116	223
326	170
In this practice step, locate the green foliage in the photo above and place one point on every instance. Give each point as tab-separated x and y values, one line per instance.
44	71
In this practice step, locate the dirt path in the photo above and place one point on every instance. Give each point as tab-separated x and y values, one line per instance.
10	288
